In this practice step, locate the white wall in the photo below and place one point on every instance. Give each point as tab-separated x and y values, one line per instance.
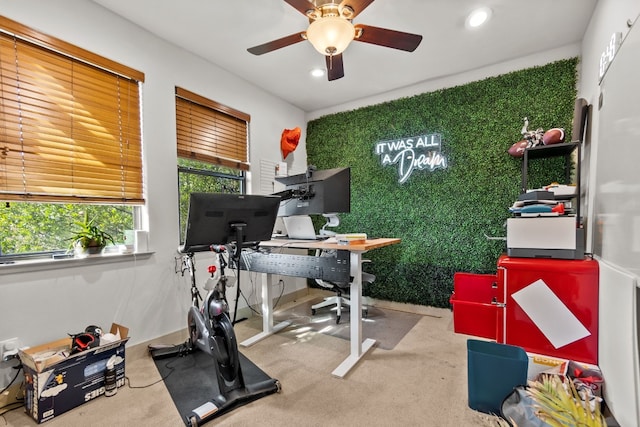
144	294
610	16
618	317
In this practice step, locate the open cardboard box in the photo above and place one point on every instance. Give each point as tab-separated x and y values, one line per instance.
540	364
56	381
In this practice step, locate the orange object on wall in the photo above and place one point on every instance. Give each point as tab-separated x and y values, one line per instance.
289	141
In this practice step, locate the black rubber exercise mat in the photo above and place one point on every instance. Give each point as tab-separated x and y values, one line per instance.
191	381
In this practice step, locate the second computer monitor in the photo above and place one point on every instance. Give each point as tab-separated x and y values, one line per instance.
316	192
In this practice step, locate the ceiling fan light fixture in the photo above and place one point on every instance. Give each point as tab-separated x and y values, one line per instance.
330	35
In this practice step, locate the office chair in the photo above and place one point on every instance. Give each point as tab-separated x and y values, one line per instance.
340	299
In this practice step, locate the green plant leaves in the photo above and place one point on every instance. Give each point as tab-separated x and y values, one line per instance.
442	216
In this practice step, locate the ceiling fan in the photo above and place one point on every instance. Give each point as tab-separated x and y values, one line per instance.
330	31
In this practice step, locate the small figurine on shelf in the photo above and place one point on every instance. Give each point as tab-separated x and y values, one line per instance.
535	138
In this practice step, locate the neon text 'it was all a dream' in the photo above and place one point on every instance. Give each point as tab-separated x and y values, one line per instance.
412	153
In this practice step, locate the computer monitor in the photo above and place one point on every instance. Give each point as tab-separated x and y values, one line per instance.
316	192
216	218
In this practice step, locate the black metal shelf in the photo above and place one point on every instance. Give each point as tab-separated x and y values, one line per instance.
555	150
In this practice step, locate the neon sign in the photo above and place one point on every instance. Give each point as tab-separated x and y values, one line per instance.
416	152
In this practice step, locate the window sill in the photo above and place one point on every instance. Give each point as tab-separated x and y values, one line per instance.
47	264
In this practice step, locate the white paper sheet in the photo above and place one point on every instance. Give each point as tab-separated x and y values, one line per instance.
549	314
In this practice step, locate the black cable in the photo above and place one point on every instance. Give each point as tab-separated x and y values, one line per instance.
246	300
19	368
19	402
148	385
236	257
279	296
15	405
244	297
171	369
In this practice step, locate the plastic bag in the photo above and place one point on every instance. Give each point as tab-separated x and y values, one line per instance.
518	409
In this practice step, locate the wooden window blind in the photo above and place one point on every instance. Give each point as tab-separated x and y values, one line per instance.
70	127
211	132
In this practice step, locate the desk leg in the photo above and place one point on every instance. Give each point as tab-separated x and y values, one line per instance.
267	313
358	347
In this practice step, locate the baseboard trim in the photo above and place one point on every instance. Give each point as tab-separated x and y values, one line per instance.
408	308
141	350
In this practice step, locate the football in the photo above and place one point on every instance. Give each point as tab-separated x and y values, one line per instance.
553	136
517	149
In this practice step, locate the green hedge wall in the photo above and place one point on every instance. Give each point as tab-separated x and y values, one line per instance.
442	215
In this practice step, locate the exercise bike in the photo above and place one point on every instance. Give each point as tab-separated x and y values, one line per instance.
209	326
211	331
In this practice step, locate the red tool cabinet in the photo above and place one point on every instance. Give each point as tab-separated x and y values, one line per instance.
474	304
549	306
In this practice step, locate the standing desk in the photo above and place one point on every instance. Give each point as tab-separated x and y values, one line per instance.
358	347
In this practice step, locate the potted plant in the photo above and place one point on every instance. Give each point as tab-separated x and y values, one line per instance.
555	401
559	404
89	239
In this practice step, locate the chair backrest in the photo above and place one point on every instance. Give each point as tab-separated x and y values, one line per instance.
324	283
366	277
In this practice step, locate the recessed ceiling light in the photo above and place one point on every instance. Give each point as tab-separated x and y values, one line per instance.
478	17
317	72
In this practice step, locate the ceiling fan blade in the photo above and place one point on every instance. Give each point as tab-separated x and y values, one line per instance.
301	6
357	5
388	38
277	44
335	68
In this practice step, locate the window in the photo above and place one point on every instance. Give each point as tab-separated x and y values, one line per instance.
212	148
70	140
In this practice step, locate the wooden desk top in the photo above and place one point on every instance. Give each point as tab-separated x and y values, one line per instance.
368	245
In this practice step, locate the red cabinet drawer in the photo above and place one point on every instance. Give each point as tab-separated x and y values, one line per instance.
473	304
538	292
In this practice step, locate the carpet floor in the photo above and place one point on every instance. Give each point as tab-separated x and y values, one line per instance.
387	327
421	381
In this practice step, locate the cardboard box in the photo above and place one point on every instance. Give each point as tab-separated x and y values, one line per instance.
590	374
586	378
56	382
539	364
